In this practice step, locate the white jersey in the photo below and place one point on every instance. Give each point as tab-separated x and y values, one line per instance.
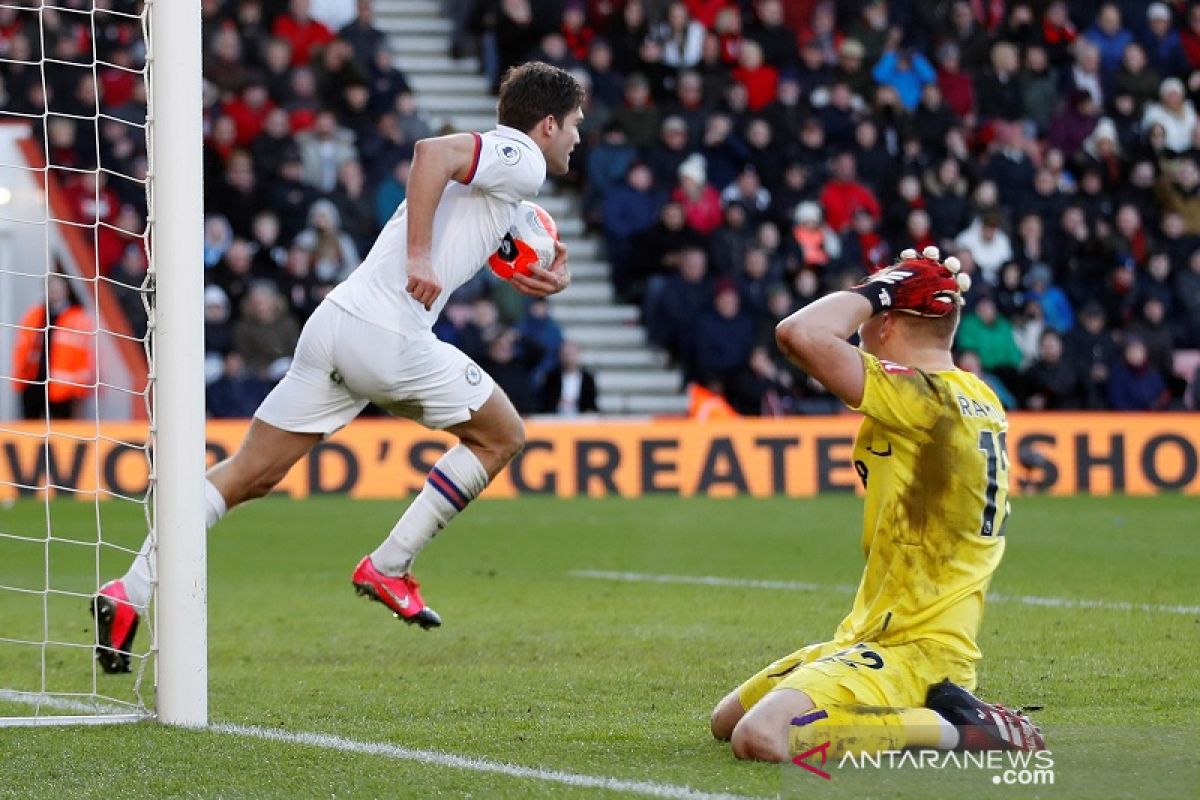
468	225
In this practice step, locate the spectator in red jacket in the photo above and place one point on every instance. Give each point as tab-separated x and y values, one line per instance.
761	80
701	202
301	31
843	195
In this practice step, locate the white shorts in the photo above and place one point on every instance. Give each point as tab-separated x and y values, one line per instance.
343	362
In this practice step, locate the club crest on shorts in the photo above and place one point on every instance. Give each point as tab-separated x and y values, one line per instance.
474	375
508	153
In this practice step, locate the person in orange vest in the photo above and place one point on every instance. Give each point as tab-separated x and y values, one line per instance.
54	364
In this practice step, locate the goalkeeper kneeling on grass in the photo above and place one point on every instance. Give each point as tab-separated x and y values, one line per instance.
931	456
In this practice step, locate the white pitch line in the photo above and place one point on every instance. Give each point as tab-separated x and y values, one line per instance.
437	758
797	586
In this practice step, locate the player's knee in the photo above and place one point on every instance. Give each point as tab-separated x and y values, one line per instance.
724	719
751	742
510	443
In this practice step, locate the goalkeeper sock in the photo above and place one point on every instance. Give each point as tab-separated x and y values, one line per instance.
925	728
139	580
455	480
870	729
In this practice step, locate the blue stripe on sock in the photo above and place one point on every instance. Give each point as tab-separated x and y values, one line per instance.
453	487
446	494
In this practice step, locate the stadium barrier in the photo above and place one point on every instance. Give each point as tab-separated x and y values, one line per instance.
1059	454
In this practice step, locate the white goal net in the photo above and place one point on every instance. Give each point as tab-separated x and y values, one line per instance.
78	318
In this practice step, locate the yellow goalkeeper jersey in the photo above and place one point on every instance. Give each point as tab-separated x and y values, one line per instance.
931	455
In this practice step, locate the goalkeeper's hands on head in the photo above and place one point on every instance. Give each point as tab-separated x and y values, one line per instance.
920	284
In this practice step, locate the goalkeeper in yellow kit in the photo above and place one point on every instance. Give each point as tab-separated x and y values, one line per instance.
931	456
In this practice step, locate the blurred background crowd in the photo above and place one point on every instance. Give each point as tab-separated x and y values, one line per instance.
740	159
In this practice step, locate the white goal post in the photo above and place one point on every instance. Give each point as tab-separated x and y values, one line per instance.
37	240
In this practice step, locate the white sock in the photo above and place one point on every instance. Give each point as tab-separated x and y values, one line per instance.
948	734
139	580
455	480
214	504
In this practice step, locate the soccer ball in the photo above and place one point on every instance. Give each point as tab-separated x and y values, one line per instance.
530	240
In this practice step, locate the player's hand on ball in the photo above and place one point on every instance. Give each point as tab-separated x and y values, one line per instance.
920	284
423	285
544	282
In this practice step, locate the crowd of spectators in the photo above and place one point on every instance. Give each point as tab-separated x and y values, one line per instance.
740	159
743	158
308	136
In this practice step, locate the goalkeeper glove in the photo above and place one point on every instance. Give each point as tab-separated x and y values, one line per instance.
917	284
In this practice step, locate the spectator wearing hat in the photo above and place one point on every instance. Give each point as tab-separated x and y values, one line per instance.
1174	113
700	201
218	338
1162	42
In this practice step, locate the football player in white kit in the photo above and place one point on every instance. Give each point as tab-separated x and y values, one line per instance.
371	340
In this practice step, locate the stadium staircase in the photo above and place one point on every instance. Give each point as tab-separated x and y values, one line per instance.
632	375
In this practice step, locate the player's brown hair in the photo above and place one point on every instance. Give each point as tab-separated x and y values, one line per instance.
535	90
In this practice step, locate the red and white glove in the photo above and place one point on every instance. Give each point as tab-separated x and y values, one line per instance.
919	284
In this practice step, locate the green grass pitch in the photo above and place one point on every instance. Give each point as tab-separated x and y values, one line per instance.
538	667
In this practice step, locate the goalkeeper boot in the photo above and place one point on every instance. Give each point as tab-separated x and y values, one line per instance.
982	726
116	623
401	594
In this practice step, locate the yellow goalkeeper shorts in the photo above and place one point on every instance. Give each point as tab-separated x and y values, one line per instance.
869	674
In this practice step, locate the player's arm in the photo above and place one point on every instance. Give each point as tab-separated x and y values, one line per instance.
436	162
814	339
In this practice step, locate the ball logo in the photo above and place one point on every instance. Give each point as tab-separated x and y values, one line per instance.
474	375
509	154
508	248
